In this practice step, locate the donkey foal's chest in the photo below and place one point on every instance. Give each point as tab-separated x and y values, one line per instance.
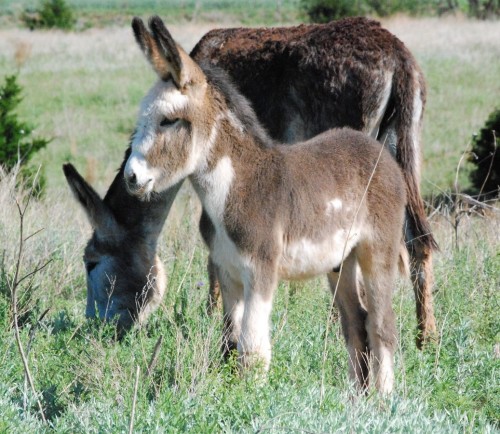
226	255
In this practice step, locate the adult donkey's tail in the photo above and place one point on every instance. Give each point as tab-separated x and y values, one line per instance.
408	102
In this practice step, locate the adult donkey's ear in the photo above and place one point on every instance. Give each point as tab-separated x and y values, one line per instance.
100	216
168	59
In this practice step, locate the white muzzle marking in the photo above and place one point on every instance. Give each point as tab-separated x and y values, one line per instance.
138	175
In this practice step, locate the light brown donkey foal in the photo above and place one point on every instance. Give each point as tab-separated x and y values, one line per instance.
273	211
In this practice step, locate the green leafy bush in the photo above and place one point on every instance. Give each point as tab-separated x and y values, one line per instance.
485	156
484	9
51	14
16	144
323	11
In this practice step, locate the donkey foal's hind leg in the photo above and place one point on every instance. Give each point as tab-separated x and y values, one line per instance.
345	288
379	271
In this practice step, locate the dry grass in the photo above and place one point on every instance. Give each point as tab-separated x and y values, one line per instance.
468	40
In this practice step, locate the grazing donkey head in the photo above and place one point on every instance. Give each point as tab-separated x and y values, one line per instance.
125	277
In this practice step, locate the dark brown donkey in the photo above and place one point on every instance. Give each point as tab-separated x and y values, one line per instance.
301	81
334	202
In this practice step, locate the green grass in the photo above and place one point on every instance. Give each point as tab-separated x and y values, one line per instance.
457	108
83	89
87	378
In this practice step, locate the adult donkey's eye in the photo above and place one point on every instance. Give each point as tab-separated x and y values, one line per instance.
166	122
89	266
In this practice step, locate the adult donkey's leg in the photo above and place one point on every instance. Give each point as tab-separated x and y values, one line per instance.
345	289
214	296
207	231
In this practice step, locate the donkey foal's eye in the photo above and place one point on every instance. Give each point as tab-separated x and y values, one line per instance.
166	122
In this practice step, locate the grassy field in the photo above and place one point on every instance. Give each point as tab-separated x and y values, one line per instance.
83	89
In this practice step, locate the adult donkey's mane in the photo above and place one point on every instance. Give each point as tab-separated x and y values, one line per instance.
237	102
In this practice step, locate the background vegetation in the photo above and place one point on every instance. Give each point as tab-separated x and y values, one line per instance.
50	14
326	10
17	147
485	155
83	88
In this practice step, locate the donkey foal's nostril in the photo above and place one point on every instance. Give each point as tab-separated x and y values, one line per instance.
132	179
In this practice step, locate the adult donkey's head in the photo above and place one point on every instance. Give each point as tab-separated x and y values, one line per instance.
125	278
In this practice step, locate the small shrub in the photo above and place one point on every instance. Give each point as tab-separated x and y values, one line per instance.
485	156
323	11
16	144
484	9
51	14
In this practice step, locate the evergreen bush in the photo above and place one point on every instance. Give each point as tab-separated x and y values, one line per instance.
16	144
485	156
51	14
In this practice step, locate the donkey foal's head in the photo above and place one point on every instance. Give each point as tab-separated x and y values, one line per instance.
174	120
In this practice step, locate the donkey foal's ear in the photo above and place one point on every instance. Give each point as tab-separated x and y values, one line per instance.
168	59
98	213
159	57
142	36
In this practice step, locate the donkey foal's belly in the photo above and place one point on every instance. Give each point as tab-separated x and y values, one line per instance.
304	259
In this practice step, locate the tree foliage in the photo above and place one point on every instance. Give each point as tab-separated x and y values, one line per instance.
485	156
51	14
17	146
322	11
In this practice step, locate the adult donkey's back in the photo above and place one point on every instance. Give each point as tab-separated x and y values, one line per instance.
301	81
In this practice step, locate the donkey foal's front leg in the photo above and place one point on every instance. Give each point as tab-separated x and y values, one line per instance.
233	303
254	346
